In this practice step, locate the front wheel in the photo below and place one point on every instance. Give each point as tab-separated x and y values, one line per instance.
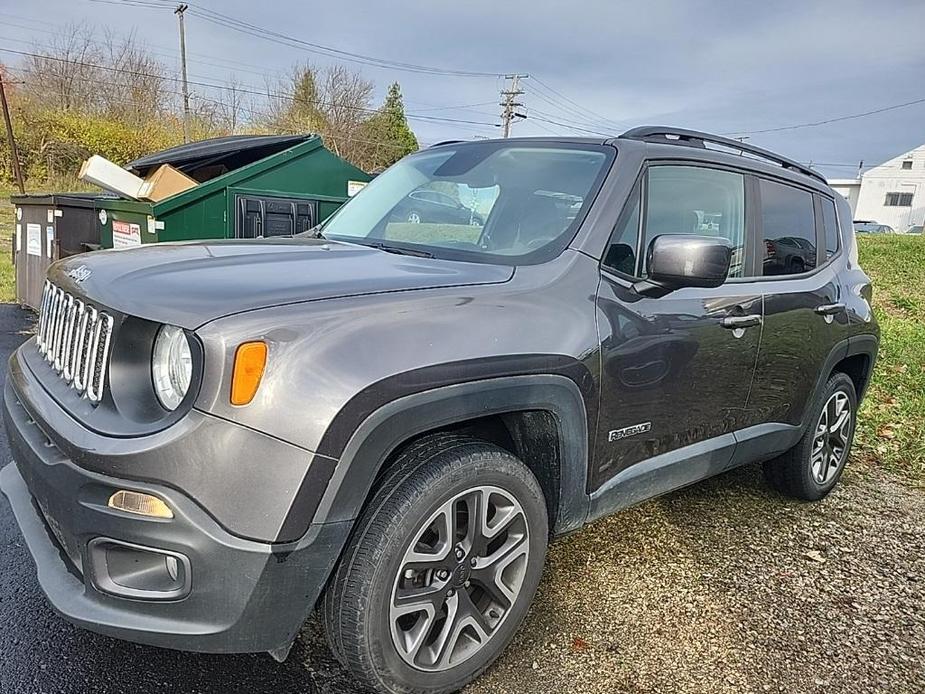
441	569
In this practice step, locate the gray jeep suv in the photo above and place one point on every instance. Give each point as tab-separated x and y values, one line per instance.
388	421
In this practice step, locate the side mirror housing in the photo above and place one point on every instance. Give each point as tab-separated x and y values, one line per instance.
676	261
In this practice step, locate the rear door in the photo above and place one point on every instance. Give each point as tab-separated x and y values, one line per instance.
803	310
676	370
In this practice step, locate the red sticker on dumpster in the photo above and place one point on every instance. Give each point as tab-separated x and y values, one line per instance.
125	235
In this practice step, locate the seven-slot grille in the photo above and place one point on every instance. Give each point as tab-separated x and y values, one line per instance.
74	338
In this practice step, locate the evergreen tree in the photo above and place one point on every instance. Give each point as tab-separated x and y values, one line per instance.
387	132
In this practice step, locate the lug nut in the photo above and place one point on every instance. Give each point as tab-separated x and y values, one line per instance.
466	584
443	574
473	561
450	593
460	553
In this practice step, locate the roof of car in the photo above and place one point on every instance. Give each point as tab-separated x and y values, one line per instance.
682	138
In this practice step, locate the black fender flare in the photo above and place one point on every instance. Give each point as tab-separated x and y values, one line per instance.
378	436
865	344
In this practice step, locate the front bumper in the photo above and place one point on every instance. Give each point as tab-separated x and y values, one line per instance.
241	595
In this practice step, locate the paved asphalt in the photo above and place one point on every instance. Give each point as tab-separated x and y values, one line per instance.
42	654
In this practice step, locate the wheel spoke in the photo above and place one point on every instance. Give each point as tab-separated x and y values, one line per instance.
424	599
442	648
441	525
489	571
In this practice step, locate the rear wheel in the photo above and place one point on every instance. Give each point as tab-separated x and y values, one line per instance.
442	567
812	468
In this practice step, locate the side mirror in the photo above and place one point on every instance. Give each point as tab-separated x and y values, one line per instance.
676	261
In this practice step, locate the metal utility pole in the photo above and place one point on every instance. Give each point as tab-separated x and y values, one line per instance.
179	12
14	153
509	103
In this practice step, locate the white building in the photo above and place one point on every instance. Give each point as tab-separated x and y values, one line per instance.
848	188
892	193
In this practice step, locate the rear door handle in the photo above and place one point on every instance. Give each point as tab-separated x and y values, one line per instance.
829	309
733	322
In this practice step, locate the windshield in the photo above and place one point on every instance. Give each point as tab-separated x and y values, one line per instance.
493	201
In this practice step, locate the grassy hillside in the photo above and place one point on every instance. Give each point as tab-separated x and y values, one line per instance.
892	430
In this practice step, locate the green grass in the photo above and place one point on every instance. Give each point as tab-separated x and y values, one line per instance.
892	425
7	227
891	431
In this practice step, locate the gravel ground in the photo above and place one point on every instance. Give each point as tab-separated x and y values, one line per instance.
723	587
728	587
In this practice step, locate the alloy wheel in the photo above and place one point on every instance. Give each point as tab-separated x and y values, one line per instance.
459	578
832	437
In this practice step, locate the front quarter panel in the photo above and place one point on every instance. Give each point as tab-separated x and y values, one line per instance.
332	363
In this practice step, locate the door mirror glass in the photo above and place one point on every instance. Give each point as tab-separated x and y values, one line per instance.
686	260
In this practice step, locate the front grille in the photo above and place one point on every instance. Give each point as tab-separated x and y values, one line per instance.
74	338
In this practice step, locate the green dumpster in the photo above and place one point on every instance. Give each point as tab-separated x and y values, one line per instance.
249	187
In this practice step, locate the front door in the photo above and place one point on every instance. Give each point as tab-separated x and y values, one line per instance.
676	370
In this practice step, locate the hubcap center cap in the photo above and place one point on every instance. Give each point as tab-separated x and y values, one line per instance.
461	575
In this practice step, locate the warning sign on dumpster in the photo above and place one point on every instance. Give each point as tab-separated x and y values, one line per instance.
125	235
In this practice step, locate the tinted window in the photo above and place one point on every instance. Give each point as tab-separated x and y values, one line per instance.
621	253
693	200
789	226
830	224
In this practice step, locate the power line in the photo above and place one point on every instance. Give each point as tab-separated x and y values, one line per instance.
245	90
828	120
257	31
571	127
576	107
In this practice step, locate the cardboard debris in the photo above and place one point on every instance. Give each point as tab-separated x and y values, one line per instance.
161	183
103	173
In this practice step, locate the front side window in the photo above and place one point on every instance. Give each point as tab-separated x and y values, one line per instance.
486	202
788	222
697	200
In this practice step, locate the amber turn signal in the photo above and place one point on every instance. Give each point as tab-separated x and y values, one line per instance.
249	362
142	504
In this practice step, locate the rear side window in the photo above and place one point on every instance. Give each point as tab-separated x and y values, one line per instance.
697	200
830	224
788	223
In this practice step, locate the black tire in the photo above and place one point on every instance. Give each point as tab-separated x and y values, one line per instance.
792	473
358	604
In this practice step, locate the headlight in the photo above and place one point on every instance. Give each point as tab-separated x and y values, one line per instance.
171	366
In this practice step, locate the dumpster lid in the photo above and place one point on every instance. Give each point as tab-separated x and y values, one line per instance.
79	199
207	159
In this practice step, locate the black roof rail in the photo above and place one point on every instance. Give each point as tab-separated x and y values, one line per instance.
695	138
446	142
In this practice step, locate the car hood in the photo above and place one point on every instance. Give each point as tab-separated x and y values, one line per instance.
189	284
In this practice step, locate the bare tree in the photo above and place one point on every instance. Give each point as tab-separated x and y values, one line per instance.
66	68
232	105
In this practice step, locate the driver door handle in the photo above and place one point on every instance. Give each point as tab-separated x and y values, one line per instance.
829	309
733	322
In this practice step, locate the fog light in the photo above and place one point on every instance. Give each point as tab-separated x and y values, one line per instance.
142	504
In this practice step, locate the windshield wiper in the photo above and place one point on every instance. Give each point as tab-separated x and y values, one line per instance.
313	233
399	250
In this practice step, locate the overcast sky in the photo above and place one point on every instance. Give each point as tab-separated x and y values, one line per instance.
726	67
